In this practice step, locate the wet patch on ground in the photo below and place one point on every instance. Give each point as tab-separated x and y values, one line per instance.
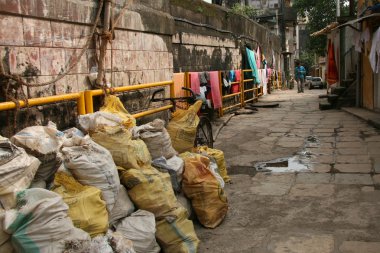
280	165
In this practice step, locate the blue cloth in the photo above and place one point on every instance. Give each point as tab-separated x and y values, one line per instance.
299	72
232	76
252	63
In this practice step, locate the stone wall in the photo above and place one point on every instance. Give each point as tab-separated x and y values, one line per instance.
39	38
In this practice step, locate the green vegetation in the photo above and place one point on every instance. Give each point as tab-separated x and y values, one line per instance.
307	60
244	10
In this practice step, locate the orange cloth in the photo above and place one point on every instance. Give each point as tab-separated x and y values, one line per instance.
332	71
179	82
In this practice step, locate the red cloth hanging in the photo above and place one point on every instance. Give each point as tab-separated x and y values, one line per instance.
332	71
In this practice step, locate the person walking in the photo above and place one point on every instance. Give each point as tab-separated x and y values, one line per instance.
299	74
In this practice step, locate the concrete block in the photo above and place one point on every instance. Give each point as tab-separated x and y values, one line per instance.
351	151
71	57
305	242
11	31
24	61
353	159
314	178
121	40
376	180
312	190
81	35
45	8
354	168
358	246
52	61
359	179
42	91
37	32
83	83
62	34
320	168
376	164
13	6
118	63
68	84
135	41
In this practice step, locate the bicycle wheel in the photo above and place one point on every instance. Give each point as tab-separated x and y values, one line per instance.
204	133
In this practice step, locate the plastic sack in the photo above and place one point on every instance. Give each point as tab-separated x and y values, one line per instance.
91	164
156	137
90	122
43	142
112	104
126	152
40	223
174	168
218	155
17	170
109	243
5	242
186	203
207	197
123	206
140	228
86	208
182	127
176	233
150	190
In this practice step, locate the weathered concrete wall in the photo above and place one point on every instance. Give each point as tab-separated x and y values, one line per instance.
210	37
38	38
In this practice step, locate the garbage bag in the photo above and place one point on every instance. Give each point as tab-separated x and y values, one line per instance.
123	206
183	126
140	228
112	104
207	197
86	207
5	242
218	155
174	168
126	152
156	137
109	243
176	234
90	122
91	164
150	190
186	203
17	170
43	142
40	223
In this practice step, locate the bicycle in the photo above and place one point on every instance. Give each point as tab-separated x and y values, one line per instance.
203	135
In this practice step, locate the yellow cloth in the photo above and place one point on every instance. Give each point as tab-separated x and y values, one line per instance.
112	104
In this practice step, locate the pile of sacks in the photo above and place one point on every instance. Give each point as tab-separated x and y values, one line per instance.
109	187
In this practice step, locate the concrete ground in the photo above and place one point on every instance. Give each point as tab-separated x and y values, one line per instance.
322	195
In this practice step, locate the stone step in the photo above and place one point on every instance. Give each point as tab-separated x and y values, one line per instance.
323	96
346	82
332	98
323	105
338	90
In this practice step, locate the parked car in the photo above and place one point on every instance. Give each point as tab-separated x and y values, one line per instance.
308	80
316	82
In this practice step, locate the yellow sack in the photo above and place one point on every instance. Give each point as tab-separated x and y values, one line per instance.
218	155
112	104
86	208
150	190
203	189
183	126
125	151
176	234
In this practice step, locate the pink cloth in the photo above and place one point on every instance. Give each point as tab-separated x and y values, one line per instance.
194	82
237	74
258	58
215	91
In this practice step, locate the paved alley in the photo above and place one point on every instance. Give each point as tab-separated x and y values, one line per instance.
314	189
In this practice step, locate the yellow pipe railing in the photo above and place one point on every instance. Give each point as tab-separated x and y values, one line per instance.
79	96
223	108
89	94
253	91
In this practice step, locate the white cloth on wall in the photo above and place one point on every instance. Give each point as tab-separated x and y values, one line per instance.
375	49
357	42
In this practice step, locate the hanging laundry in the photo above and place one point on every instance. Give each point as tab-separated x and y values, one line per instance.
232	76
194	82
365	36
215	92
375	49
238	75
204	78
251	56
332	71
179	82
258	58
